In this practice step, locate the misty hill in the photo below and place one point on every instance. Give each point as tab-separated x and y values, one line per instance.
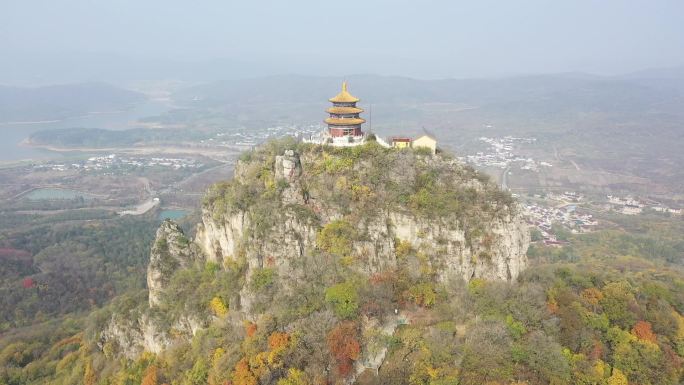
559	104
658	73
540	93
56	102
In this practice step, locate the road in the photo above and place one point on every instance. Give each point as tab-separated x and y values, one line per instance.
559	158
153	201
504	178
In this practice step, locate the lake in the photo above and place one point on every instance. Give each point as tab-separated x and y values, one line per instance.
172	214
42	194
13	134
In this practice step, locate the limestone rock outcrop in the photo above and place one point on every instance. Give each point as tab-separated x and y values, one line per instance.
141	330
494	248
171	251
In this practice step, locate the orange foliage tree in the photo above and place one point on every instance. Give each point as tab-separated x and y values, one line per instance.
642	330
277	342
250	328
242	375
344	346
150	377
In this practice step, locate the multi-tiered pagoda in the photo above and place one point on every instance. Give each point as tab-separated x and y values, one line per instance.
344	117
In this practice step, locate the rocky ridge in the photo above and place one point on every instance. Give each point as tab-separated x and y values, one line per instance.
376	203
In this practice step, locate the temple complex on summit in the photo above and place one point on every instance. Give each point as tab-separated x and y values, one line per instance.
344	127
344	117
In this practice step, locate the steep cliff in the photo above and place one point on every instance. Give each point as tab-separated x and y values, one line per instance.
146	328
171	251
371	202
308	240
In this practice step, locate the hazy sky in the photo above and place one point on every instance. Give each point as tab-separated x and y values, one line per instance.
422	38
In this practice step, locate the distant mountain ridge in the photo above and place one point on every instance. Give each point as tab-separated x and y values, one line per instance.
20	104
657	73
535	93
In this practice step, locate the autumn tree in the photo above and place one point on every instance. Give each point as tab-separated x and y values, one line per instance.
277	343
337	238
250	328
617	300
294	377
592	296
242	375
150	377
617	378
642	330
423	294
344	298
344	346
218	307
89	374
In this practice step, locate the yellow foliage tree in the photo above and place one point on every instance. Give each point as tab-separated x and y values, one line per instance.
403	249
218	353
294	377
617	378
218	307
361	192
259	364
89	374
592	295
679	336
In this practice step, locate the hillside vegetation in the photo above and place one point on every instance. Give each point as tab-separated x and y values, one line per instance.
235	306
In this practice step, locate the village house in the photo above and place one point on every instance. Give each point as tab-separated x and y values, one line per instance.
400	142
425	141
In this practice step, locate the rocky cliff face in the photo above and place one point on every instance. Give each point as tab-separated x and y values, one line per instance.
488	240
143	329
502	257
171	251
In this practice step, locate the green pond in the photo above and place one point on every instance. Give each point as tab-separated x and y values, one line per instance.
172	214
43	194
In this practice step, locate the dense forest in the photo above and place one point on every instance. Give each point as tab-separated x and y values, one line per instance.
585	322
56	266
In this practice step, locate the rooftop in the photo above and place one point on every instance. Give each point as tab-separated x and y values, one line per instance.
400	139
344	122
344	96
344	110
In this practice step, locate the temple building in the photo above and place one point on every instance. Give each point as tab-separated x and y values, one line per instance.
344	117
344	128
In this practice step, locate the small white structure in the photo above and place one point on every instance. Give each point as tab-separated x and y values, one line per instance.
425	141
631	210
324	138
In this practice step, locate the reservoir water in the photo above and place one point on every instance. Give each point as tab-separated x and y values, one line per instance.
12	134
172	214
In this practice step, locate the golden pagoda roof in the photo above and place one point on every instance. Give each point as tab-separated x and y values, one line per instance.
345	122
344	96
344	110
